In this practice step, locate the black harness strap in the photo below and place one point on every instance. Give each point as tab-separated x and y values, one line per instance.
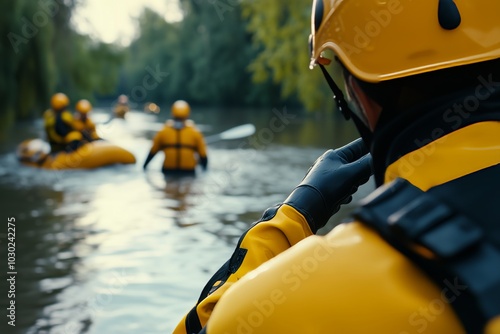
232	265
178	162
192	323
178	146
61	127
467	261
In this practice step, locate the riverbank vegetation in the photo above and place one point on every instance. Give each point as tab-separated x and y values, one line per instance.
247	53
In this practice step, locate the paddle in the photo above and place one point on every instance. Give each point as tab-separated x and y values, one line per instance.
237	132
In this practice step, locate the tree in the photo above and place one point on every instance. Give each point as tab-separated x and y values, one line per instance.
280	32
206	58
24	58
42	54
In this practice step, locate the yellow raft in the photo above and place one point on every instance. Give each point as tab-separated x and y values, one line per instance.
36	153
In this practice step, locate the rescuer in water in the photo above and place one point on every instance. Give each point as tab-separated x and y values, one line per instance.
181	142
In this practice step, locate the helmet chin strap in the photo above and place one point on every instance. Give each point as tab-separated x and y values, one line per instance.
339	98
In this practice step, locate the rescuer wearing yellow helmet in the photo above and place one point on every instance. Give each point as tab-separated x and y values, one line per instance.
59	125
181	142
121	108
422	84
83	123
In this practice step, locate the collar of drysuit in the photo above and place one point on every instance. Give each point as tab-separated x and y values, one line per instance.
440	140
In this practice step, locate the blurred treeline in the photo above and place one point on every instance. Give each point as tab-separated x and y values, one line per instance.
41	53
238	53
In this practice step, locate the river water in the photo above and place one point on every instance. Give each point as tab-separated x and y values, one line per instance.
117	250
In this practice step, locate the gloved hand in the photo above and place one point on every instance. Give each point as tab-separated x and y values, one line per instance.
148	159
204	163
330	182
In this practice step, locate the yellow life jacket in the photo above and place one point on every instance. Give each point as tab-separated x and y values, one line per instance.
49	120
182	145
87	127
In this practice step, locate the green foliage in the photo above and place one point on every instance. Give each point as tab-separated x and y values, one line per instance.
42	54
88	67
206	56
155	48
281	31
20	58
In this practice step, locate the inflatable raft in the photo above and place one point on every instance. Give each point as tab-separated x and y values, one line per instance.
36	153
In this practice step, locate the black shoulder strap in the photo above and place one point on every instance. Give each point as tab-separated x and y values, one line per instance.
466	264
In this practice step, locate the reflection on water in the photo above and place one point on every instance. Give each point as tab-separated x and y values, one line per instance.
117	250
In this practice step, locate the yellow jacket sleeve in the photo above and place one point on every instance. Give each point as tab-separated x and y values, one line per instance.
78	125
67	118
157	142
280	228
49	118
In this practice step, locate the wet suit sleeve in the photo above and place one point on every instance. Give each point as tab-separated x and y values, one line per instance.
78	125
68	119
154	149
92	129
280	228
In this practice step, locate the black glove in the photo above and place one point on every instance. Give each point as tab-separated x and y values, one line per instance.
330	182
204	163
148	159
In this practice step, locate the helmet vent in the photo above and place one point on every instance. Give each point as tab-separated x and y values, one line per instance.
449	15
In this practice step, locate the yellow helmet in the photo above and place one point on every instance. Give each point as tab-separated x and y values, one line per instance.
180	109
83	106
59	101
381	40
